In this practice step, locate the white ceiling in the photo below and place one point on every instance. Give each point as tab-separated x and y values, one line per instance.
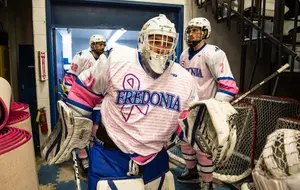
87	33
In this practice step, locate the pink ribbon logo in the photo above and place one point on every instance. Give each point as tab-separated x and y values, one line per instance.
131	82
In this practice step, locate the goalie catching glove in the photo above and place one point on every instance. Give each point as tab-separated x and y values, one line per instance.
71	132
209	127
278	167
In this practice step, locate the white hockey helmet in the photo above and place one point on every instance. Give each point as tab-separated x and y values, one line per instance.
159	25
199	22
97	38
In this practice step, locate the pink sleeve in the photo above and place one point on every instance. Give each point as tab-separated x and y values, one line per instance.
220	68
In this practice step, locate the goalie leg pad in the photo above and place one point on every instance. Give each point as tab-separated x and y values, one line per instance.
165	182
70	133
121	184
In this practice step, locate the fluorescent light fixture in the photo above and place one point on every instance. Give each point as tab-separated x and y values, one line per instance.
116	36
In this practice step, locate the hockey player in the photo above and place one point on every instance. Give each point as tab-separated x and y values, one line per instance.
144	94
211	73
83	60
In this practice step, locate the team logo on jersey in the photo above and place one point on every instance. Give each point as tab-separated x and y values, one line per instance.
196	72
89	64
74	67
182	63
217	48
134	99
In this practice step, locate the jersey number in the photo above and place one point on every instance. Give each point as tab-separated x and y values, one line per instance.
222	67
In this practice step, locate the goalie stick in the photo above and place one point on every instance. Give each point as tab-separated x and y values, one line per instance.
76	170
245	94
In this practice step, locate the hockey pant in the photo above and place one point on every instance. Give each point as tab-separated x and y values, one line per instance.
113	165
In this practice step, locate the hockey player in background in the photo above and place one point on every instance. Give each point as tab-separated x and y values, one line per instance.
211	73
83	60
145	93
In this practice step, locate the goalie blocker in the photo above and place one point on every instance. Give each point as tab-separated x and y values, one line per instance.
71	132
209	127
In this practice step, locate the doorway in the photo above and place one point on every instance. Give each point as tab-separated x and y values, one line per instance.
106	18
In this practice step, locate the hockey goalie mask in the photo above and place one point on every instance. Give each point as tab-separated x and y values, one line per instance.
197	30
157	43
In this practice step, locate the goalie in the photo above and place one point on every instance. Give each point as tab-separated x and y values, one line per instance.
139	87
144	93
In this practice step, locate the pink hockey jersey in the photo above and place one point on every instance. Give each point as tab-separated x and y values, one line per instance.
139	113
211	72
80	62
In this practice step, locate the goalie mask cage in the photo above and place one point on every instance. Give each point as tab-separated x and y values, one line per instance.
269	110
240	164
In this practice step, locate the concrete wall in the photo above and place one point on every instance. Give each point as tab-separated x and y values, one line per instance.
40	44
16	19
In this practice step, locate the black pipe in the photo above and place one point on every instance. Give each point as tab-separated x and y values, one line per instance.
243	67
275	86
263	29
242	20
269	37
259	32
254	69
294	38
215	8
251	18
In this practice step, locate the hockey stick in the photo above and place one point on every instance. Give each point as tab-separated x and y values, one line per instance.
76	170
174	143
247	93
63	96
261	83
